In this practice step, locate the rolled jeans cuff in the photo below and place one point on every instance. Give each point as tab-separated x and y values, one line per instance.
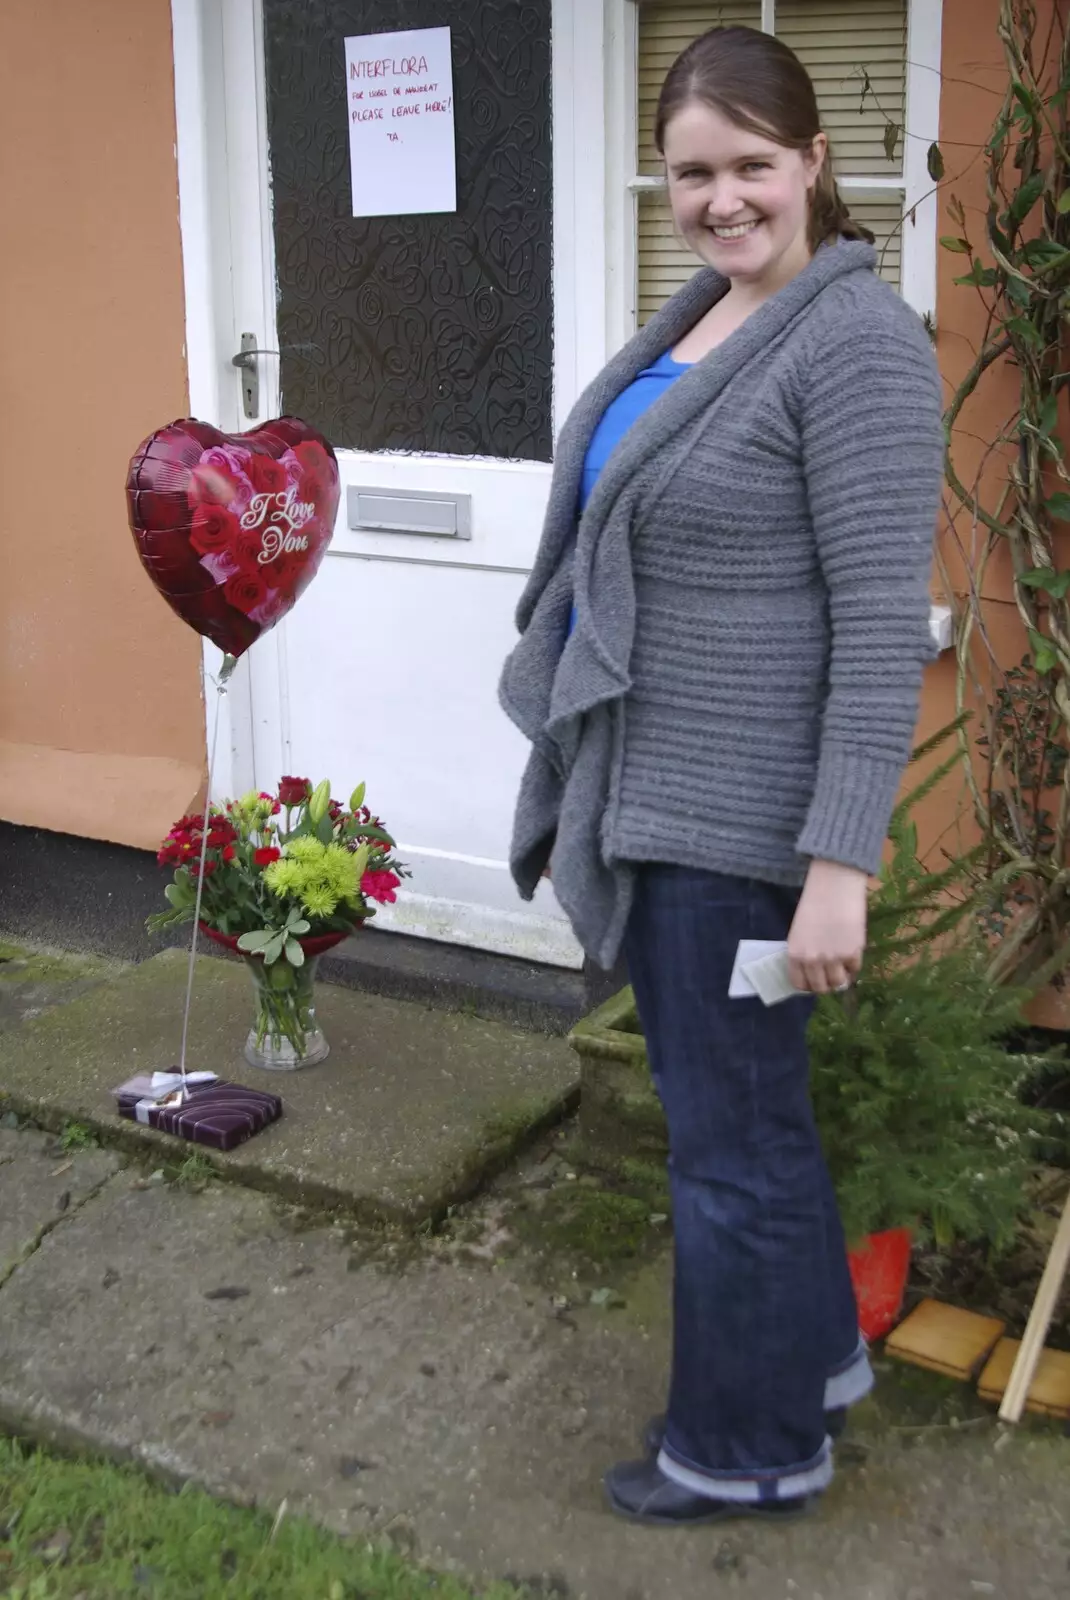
851	1381
781	1483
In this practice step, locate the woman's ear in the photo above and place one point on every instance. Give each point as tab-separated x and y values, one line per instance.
816	157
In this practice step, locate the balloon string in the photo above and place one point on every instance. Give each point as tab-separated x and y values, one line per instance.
229	663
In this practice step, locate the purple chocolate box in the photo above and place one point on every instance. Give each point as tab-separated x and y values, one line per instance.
221	1115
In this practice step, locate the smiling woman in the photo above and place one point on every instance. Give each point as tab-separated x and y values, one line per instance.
721	650
749	168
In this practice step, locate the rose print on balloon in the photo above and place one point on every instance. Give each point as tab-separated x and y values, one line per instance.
231	528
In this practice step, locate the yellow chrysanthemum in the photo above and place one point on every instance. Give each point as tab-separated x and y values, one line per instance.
340	872
283	877
318	900
305	849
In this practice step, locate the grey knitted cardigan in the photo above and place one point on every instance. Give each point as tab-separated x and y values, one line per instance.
751	582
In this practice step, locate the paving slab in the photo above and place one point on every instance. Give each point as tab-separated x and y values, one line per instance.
453	1406
409	1112
40	1186
34	979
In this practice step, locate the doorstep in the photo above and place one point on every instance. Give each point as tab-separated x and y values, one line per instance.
413	1110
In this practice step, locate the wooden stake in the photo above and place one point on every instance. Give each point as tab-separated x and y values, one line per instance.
1039	1321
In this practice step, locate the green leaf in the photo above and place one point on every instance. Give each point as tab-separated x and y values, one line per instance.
256	942
892	130
377	834
1046	578
1058	506
294	954
1062	205
1045	253
934	160
979	276
1045	655
1026	99
1049	416
1026	331
1019	292
273	950
957	247
167	919
1026	198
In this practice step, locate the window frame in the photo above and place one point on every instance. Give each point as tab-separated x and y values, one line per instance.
624	185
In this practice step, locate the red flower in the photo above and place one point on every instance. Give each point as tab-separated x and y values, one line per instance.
246	548
245	591
313	458
266	475
213	531
266	856
380	885
292	791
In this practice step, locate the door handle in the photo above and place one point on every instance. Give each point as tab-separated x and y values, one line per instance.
245	361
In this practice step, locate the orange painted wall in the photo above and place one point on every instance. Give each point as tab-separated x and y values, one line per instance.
101	720
974	76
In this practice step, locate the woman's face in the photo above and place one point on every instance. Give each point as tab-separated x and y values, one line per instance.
740	200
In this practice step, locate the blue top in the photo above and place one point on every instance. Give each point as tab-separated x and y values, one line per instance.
618	417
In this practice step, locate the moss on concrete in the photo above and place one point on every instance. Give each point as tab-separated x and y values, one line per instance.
34	979
594	1225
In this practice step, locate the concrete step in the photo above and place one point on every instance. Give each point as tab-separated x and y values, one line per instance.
412	1111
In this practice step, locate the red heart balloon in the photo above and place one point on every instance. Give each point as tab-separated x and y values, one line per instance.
231	527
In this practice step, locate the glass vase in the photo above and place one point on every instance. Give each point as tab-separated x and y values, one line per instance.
285	1034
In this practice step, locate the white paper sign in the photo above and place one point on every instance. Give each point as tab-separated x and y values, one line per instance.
402	154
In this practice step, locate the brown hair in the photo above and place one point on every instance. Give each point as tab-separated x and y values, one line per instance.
755	81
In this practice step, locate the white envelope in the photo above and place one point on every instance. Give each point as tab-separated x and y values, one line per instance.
739	985
761	968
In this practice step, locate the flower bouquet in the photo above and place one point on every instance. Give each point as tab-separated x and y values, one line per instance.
286	876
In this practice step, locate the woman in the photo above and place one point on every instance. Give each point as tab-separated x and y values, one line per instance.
718	670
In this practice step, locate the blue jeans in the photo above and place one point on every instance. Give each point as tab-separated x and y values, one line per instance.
765	1334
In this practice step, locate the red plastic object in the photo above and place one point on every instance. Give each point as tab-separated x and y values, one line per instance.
313	946
231	527
880	1267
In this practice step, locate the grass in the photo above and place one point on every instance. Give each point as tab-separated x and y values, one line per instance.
194	1173
86	1530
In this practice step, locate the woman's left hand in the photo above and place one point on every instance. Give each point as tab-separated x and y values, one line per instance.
828	933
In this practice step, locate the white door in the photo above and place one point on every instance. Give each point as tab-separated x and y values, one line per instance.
386	670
